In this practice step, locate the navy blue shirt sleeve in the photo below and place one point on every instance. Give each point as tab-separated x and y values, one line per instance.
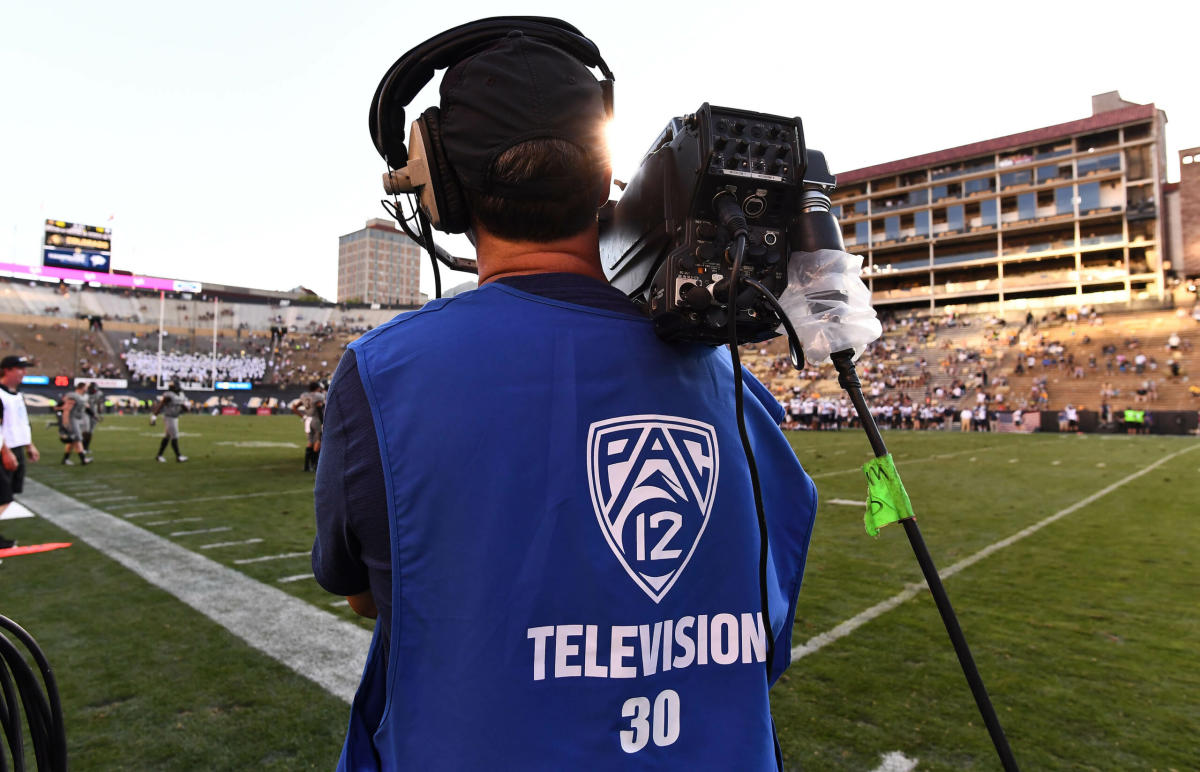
350	496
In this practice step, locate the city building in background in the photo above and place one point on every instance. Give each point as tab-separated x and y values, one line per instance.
1062	214
1184	201
379	264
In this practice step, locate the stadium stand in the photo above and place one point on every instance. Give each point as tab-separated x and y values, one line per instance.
1081	356
96	332
1065	357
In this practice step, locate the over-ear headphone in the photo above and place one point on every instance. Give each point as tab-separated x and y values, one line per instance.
421	166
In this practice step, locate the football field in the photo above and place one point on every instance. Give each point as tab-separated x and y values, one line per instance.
186	631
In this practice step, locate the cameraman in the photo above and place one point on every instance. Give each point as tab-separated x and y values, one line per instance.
570	579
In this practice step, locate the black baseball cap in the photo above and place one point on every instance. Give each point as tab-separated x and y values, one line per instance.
12	361
513	91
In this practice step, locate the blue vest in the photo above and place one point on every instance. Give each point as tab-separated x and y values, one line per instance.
574	545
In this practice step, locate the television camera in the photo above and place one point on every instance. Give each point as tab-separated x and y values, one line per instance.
715	183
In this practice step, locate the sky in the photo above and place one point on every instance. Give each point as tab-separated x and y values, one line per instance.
227	142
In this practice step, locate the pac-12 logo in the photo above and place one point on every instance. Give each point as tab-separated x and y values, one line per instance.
653	479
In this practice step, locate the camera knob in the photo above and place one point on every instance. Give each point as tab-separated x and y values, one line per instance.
708	252
695	296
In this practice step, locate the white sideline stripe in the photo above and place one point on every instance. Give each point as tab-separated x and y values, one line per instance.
295	578
229	544
179	520
848	502
222	498
107	499
218	529
900	461
314	643
131	515
53	477
818	642
243	561
340	603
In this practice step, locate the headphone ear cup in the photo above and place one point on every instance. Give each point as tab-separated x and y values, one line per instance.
451	203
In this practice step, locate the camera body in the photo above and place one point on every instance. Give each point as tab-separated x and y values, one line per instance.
664	245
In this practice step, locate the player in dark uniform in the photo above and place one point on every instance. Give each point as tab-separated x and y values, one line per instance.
94	406
311	407
71	423
171	404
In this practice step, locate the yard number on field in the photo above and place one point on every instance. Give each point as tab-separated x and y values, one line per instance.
659	721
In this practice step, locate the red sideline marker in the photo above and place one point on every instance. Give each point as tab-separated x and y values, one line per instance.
12	552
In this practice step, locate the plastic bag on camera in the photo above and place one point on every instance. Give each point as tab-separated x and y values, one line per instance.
828	304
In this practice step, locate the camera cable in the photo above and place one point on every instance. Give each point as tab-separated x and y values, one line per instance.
731	216
20	687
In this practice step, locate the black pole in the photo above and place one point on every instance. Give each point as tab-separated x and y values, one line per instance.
848	380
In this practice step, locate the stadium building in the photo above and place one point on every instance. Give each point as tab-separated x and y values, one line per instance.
1061	215
379	264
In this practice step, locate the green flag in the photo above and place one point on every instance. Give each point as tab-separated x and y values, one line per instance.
887	501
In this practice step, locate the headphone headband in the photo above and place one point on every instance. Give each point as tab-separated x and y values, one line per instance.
412	71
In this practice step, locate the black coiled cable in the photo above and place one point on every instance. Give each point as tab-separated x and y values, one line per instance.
20	688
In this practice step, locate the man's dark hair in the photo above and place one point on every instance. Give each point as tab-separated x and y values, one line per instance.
540	219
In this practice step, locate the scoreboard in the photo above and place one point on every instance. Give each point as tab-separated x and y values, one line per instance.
71	245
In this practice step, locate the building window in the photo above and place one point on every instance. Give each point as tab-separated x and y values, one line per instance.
981	185
862	232
1016	179
921	222
1054	172
1089	197
987	212
1026	206
1098	164
954	217
1064	200
891	226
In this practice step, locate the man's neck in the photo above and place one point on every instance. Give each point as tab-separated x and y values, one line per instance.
499	258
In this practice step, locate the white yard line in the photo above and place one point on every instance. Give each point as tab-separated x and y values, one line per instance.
106	499
847	502
295	578
220	544
218	529
243	561
177	520
220	498
818	642
315	643
907	461
131	515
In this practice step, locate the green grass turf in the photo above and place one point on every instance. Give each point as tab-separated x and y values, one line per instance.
1085	632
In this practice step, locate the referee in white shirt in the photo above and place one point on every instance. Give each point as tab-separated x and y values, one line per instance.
15	434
